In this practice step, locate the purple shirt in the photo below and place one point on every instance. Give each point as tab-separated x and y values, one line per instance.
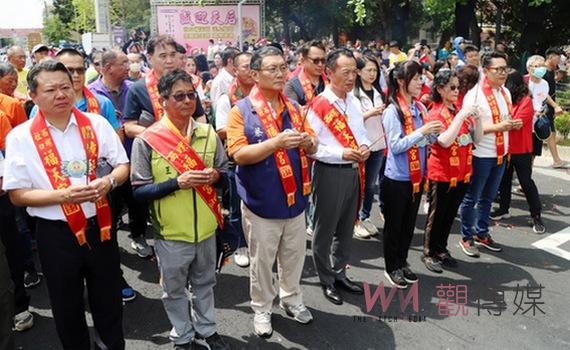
98	87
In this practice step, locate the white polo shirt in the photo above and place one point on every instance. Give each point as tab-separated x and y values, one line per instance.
24	168
487	147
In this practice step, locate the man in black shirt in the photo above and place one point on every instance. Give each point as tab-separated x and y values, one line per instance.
552	61
311	80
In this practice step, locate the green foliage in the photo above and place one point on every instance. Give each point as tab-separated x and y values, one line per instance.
562	124
131	14
84	20
359	10
55	30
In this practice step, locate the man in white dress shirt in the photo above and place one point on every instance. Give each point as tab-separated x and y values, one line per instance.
338	176
51	164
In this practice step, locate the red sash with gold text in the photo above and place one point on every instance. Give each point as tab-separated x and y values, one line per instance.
496	114
307	86
281	158
454	150
92	103
338	126
413	153
152	87
52	164
234	92
177	152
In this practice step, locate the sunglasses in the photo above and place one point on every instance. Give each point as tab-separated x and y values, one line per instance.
79	70
318	61
182	96
453	87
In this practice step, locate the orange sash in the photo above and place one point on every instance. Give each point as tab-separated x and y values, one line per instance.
413	153
92	103
454	149
308	86
234	92
281	158
177	151
496	114
152	88
52	164
338	126
196	81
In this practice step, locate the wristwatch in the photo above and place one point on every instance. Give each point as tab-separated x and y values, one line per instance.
113	181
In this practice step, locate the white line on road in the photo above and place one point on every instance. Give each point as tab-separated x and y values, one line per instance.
552	243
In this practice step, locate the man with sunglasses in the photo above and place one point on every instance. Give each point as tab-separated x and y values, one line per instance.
493	101
269	140
312	79
176	163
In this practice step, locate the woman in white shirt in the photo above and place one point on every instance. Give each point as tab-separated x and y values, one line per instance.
367	90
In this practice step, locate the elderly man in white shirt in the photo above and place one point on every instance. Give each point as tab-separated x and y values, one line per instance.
51	168
338	179
222	81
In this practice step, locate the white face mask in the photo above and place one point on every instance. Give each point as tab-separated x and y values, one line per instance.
135	67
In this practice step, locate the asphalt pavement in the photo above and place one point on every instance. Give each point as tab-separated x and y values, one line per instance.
515	299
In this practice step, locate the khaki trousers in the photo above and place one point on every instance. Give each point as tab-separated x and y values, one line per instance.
267	240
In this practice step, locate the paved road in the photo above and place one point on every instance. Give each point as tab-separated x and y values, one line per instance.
489	279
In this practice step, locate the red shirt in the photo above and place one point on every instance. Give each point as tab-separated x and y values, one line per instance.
439	168
520	141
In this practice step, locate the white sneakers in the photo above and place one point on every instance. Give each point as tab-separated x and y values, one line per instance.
241	257
23	321
141	247
365	229
262	324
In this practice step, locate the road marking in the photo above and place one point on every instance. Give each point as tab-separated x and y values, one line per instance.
561	174
552	243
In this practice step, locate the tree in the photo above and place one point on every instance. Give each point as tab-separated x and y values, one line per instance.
84	19
55	30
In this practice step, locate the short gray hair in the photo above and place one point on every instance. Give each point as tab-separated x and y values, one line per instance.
532	60
7	69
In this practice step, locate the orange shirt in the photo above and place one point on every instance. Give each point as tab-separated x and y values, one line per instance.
236	132
5	128
13	110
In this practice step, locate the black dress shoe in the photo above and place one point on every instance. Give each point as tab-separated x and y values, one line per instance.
332	294
349	286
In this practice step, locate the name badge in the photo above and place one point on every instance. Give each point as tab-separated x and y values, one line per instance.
74	168
464	139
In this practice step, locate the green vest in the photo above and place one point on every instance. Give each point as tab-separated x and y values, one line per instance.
183	215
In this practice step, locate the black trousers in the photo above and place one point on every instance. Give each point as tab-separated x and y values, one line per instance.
138	210
400	213
6	302
15	253
67	268
443	205
522	163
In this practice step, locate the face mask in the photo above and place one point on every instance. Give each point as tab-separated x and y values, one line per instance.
539	72
135	67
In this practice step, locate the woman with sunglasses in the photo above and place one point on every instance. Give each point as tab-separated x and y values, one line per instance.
367	90
449	167
408	137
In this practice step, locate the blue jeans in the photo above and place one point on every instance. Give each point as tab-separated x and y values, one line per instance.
483	189
235	210
374	172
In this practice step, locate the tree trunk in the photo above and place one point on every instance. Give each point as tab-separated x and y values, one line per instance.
463	17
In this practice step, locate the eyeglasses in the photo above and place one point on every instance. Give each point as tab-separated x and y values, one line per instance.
318	61
78	70
273	70
97	64
500	70
182	96
453	87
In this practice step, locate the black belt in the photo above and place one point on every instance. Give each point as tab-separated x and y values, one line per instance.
339	166
91	222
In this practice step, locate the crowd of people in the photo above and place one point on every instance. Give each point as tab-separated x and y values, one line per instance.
272	145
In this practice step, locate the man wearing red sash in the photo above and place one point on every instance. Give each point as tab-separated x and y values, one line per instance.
51	168
269	140
311	80
240	88
338	179
143	106
491	154
176	163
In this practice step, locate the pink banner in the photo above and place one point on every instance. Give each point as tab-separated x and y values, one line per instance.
193	26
